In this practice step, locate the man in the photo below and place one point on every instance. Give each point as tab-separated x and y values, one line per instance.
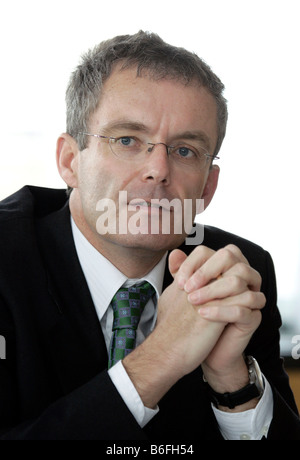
144	118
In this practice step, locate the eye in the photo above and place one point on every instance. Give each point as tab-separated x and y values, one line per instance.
126	145
125	141
185	152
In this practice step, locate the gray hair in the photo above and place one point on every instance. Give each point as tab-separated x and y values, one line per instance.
147	51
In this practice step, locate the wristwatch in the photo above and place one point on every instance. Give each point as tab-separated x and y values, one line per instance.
254	389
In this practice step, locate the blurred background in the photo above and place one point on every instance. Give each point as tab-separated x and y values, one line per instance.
252	45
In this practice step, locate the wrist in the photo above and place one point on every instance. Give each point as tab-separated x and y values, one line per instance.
151	371
227	379
244	398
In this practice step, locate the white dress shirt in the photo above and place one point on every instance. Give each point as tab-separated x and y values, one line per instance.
104	280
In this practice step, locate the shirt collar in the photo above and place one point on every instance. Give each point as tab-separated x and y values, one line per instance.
103	278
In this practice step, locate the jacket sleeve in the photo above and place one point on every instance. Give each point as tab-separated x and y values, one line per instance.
93	411
265	347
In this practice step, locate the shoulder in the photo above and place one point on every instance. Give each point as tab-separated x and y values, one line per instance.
31	202
19	212
216	238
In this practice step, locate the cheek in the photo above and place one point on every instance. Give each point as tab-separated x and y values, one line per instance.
194	193
193	186
100	179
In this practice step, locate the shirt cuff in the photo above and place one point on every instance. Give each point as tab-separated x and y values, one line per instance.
130	396
249	425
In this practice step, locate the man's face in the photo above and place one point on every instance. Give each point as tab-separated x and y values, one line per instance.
158	112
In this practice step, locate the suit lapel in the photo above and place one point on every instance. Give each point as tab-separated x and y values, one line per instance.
73	332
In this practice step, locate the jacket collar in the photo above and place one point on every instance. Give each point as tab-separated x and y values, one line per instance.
75	338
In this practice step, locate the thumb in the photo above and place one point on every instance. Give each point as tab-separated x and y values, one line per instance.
176	258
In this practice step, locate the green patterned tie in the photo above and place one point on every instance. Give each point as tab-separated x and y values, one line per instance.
128	305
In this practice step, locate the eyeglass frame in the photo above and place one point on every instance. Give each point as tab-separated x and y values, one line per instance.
99	136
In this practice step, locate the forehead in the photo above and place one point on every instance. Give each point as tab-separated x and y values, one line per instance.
164	106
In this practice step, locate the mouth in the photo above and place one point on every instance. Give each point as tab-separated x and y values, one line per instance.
155	203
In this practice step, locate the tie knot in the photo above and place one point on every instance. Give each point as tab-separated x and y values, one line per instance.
128	305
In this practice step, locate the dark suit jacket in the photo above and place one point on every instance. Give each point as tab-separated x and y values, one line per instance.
54	382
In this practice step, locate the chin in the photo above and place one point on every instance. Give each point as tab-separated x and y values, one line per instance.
149	242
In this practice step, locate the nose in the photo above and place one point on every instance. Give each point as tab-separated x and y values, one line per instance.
157	165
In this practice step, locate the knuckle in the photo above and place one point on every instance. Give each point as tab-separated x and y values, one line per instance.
233	249
239	313
201	250
226	254
254	300
250	298
237	252
262	299
243	269
235	282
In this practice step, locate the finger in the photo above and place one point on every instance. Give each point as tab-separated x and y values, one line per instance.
220	289
238	315
176	258
247	273
236	280
249	299
237	252
195	260
218	263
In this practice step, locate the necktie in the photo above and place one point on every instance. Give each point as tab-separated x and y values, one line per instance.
128	305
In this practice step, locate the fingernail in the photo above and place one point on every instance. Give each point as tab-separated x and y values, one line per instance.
193	297
181	281
204	311
189	286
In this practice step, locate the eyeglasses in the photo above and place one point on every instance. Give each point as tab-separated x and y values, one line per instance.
134	149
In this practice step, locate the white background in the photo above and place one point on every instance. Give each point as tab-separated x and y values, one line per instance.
252	45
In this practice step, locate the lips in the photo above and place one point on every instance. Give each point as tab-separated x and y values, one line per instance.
153	203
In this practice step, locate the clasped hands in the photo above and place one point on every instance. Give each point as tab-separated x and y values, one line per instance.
224	291
205	317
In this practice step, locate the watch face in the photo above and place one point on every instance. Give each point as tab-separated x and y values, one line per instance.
255	374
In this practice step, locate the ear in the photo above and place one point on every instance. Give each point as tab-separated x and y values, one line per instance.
211	185
67	159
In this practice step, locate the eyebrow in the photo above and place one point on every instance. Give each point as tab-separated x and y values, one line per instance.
125	124
140	127
195	136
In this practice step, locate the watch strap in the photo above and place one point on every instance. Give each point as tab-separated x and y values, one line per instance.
236	398
254	389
